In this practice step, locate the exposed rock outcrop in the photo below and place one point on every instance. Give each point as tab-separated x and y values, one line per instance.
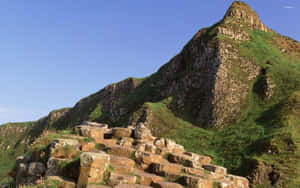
114	165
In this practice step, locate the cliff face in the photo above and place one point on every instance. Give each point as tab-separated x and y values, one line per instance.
224	94
204	79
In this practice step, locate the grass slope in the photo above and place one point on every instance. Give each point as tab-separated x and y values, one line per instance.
11	147
269	133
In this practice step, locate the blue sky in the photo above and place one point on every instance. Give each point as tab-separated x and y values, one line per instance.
55	52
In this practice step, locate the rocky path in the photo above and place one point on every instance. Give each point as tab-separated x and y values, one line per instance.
101	157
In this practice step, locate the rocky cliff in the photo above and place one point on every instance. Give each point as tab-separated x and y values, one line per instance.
209	79
232	93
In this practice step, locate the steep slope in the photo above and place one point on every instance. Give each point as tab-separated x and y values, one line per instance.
15	137
227	94
197	78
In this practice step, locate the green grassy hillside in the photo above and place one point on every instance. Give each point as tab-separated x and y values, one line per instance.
11	146
269	131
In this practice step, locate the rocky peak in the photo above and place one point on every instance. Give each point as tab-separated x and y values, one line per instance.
241	13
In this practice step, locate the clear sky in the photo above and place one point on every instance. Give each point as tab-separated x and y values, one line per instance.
54	52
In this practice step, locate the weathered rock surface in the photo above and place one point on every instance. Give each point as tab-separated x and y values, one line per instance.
166	185
92	168
121	132
95	132
142	132
115	164
30	172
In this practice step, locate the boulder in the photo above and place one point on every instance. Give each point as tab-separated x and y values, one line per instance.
116	179
178	158
160	143
142	132
166	185
150	148
121	151
64	148
170	144
148	158
147	178
94	160
88	147
36	169
29	173
21	174
224	184
165	169
121	161
106	141
195	171
216	169
94	124
178	149
140	147
189	159
139	141
121	132
54	166
197	182
122	169
126	141
64	142
238	181
91	132
92	168
203	160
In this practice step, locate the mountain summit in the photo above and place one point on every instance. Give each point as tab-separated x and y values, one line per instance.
232	93
244	14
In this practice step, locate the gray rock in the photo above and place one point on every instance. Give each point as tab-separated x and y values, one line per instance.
36	169
142	132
